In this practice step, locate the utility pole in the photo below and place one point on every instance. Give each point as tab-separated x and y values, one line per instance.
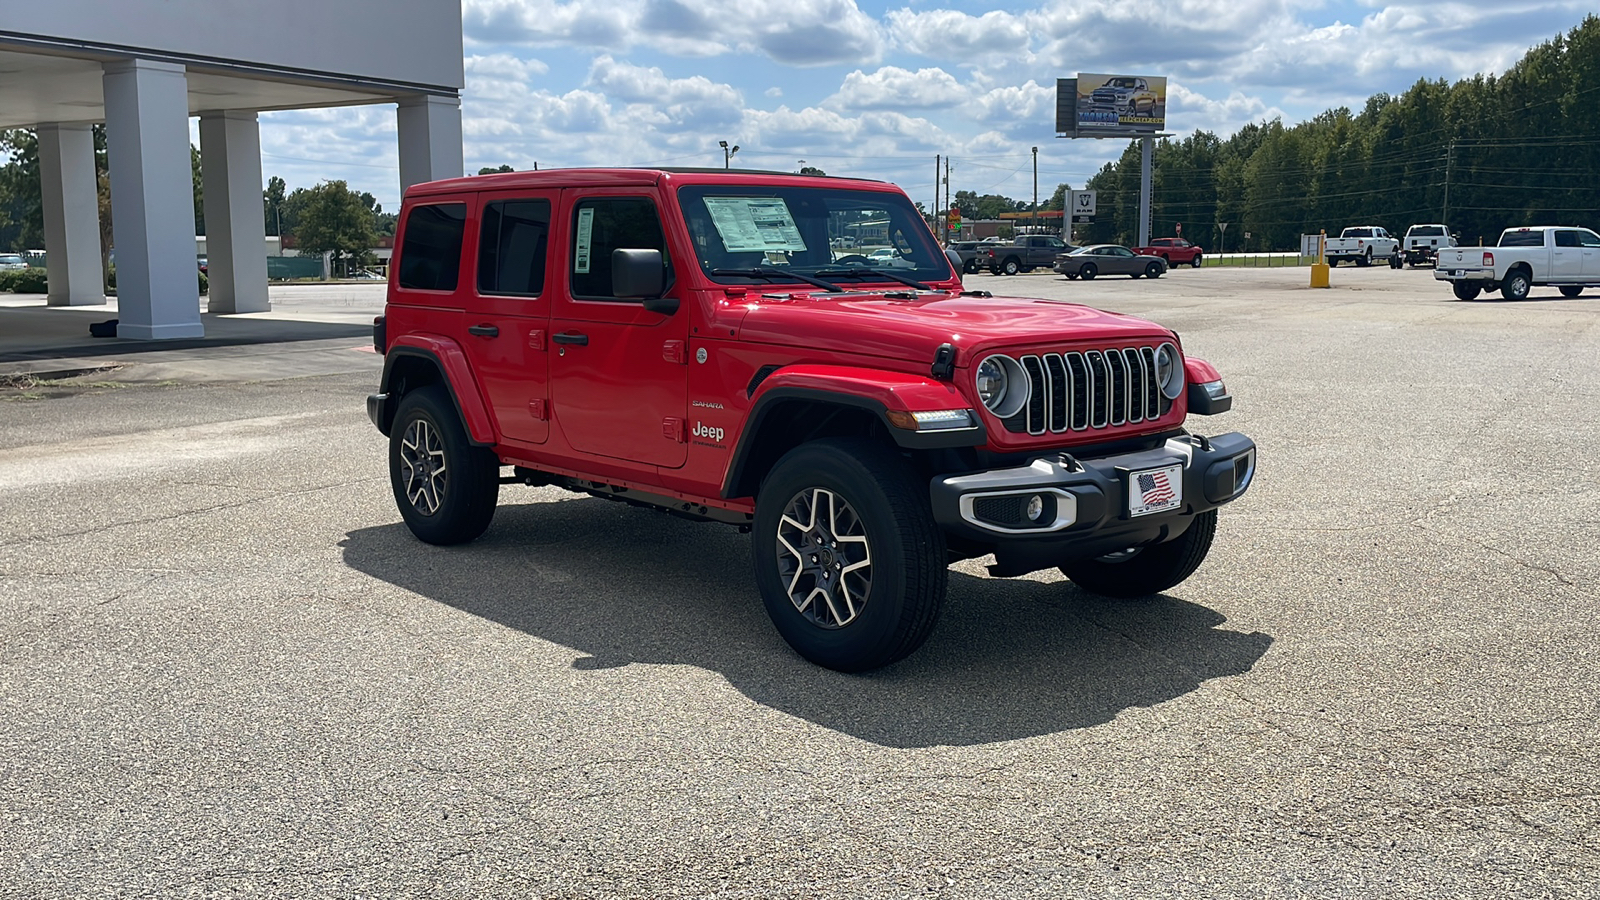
1449	158
1034	226
947	194
938	166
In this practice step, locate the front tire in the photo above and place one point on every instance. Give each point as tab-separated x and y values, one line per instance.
1153	270
850	564
1142	571
1195	263
1571	290
445	487
1516	286
1466	290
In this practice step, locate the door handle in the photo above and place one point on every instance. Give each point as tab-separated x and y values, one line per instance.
484	330
571	337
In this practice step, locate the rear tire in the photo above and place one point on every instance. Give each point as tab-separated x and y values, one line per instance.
1465	290
857	504
1089	271
1571	290
445	487
1516	286
1147	570
1365	260
1011	266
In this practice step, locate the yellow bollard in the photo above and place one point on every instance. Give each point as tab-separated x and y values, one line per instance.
1319	269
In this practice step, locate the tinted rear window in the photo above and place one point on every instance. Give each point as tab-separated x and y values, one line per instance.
1522	239
1428	231
512	245
430	258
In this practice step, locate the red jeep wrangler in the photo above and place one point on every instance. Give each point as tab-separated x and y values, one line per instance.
691	341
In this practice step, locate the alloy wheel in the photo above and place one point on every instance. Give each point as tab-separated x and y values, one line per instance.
824	560
424	469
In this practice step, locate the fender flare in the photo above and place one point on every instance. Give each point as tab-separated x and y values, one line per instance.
878	391
451	361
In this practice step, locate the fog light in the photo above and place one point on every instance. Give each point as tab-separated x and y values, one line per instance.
1035	508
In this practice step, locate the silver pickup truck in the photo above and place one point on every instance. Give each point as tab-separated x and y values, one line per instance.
1525	258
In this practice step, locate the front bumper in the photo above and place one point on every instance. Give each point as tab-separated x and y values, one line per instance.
376	404
1083	504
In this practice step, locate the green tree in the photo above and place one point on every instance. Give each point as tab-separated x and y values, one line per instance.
21	211
335	220
272	204
495	170
811	170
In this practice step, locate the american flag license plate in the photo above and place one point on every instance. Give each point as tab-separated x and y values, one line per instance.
1155	490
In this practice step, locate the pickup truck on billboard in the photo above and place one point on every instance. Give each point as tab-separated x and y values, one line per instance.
1122	103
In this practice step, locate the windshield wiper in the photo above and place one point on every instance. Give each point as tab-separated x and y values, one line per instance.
881	273
773	273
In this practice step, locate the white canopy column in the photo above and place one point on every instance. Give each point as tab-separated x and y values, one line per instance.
71	215
152	199
430	139
236	245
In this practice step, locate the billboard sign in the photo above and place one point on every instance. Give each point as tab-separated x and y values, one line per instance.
1118	105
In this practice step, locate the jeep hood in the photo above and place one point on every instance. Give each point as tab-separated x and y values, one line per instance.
874	325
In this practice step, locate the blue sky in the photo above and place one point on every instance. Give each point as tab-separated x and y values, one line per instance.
876	89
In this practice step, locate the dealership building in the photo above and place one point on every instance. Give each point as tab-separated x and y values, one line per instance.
143	69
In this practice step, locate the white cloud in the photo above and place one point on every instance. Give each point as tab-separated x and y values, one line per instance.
793	32
893	88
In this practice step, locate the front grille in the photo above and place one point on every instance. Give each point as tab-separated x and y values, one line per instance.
1094	389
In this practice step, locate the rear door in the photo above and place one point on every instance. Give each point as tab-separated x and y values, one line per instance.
508	315
1590	242
1566	257
619	379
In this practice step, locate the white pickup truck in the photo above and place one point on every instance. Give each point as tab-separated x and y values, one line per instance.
1362	244
1524	259
1422	243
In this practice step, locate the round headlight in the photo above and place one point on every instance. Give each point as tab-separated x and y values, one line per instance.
991	382
1169	371
1002	385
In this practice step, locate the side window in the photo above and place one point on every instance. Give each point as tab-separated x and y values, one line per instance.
603	224
430	258
1567	239
1054	243
1588	239
512	244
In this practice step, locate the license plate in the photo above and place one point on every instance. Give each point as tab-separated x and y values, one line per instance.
1459	272
1155	490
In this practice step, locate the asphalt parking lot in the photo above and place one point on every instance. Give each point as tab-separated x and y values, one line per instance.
226	668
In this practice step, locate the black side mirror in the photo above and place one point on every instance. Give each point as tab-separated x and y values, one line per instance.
638	274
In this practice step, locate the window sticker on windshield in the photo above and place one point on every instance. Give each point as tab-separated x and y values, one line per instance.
754	224
585	236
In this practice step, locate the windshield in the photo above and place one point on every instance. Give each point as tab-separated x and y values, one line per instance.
807	230
10	259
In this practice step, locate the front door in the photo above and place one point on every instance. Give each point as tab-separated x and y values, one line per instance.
508	313
619	379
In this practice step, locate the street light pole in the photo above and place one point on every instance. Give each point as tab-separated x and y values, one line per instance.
1035	223
727	154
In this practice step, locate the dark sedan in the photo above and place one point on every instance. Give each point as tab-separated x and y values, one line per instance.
1108	259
